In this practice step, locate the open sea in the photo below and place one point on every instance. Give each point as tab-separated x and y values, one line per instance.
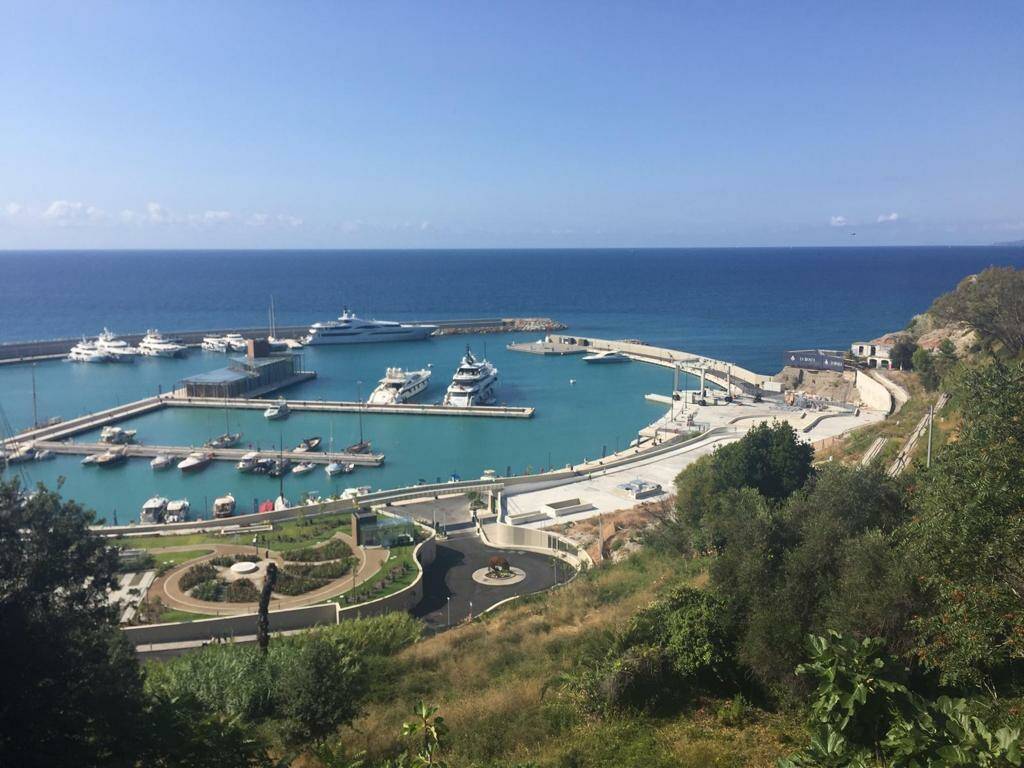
744	305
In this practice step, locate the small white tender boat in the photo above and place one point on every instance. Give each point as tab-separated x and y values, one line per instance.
303	468
278	410
162	461
607	356
339	468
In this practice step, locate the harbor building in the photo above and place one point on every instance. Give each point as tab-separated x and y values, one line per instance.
877	352
257	373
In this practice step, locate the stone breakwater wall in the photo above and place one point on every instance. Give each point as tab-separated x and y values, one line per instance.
506	325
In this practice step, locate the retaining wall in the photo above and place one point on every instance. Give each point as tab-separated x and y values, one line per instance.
232	626
504	536
873	393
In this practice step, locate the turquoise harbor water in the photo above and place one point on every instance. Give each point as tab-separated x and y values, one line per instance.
745	305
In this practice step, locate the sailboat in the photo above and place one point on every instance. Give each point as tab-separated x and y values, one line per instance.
336	467
229	438
272	339
363	446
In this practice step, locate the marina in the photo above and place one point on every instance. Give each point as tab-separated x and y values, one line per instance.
216	454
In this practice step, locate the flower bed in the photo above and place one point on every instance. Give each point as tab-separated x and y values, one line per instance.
335	549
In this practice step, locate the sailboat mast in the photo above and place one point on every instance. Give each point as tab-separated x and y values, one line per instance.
35	415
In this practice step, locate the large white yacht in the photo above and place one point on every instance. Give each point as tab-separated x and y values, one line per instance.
398	386
473	382
155	345
349	329
215	344
86	351
116	349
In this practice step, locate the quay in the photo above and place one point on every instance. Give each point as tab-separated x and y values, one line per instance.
179	400
53	349
137	450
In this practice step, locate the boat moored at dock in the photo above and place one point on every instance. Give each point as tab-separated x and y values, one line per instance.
162	461
473	382
278	410
227	440
177	511
339	468
153	344
248	462
349	329
116	350
606	356
86	351
399	386
154	510
117	435
112	458
224	506
303	468
308	445
195	461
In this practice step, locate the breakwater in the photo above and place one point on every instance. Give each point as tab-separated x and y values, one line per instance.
47	349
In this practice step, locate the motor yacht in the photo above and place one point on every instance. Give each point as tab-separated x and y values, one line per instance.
177	511
354	493
43	454
215	344
86	351
473	382
248	462
236	342
153	510
398	386
89	459
153	344
224	506
22	453
606	356
227	440
195	461
279	467
278	410
117	350
161	461
349	329
117	435
112	458
309	444
339	468
303	468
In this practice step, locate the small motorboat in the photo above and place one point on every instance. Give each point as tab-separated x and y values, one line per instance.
24	453
117	435
195	461
309	444
266	506
90	459
303	468
279	467
363	446
227	440
112	458
354	493
162	461
339	468
224	506
177	511
607	356
262	466
248	462
153	510
44	454
278	410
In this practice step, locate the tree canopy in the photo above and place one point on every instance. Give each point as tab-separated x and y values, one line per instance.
991	303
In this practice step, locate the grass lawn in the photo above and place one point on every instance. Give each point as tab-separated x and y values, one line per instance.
173	558
174	615
398	556
291	534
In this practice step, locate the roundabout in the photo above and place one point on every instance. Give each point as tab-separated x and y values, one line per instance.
488	577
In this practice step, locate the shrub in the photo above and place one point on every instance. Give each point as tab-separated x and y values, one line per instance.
211	590
335	549
330	570
290	584
197	574
241	591
382	635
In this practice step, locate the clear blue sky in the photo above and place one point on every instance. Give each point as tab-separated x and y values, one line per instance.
433	124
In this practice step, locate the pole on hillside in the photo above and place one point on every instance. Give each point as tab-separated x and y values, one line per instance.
931	418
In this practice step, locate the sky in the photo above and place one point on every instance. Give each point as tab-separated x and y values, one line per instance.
522	124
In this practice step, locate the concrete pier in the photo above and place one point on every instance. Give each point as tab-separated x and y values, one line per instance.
179	400
133	450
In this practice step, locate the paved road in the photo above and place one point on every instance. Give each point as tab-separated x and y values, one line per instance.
451	575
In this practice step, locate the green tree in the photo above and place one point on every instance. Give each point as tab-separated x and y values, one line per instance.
967	533
926	369
769	459
902	353
71	683
991	303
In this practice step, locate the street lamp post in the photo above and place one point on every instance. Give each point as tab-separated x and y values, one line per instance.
449	611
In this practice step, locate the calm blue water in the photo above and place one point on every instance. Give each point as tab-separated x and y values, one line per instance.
747	305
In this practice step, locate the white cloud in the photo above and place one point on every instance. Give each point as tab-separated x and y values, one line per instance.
288	220
258	219
157	214
13	209
838	221
884	217
65	213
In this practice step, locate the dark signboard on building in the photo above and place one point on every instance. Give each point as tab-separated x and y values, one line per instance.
814	359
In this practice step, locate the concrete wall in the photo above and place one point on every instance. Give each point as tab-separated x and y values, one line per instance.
505	536
232	626
872	393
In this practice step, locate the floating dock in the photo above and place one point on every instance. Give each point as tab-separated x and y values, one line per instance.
179	400
134	450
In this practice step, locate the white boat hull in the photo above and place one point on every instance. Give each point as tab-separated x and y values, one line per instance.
370	336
